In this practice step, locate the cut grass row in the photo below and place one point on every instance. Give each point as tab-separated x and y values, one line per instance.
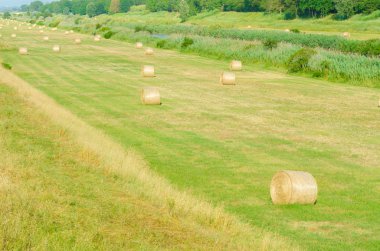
225	143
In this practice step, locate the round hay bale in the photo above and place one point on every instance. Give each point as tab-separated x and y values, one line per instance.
236	65
293	187
41	31
13	35
71	31
46	38
29	28
149	52
150	96
147	71
346	34
23	51
54	29
97	38
228	78
139	45
15	28
57	48
77	41
67	32
287	30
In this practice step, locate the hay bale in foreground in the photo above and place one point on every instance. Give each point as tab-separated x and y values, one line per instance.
346	34
56	48
228	78
150	96
147	71
236	65
23	51
139	45
77	41
149	52
293	187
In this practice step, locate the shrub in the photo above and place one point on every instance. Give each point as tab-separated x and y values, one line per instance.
270	44
370	47
104	29
109	34
299	60
40	23
32	21
139	28
7	66
295	30
77	21
55	23
98	26
161	44
187	42
289	15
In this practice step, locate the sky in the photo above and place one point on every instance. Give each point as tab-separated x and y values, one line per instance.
16	3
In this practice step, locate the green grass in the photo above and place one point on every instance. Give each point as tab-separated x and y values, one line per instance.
55	195
225	143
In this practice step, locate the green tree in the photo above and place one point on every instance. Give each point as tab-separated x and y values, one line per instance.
7	15
184	10
344	8
36	6
91	9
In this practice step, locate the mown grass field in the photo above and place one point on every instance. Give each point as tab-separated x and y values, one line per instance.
224	143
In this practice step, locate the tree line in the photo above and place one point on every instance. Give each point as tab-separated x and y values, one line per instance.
342	9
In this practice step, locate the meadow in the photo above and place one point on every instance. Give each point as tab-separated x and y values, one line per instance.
224	143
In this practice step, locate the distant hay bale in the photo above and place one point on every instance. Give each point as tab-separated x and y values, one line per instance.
56	48
41	31
77	41
46	38
346	34
149	52
15	28
287	30
150	96
13	35
236	65
29	28
67	32
139	45
71	31
97	38
54	29
147	71
293	187
23	51
228	78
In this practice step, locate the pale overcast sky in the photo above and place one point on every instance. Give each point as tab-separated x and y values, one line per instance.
15	3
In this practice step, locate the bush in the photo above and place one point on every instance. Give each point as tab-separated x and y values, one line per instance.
104	29
7	66
289	15
139	28
299	60
77	21
109	34
161	44
187	42
98	26
55	23
295	30
270	44
370	47
40	23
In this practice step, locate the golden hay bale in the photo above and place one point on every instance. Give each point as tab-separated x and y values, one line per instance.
293	187
46	38
287	30
56	48
54	29
139	45
97	38
15	28
346	34
71	31
13	35
147	71
41	31
23	51
236	65
29	28
149	52
228	78
77	41
150	96
67	32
